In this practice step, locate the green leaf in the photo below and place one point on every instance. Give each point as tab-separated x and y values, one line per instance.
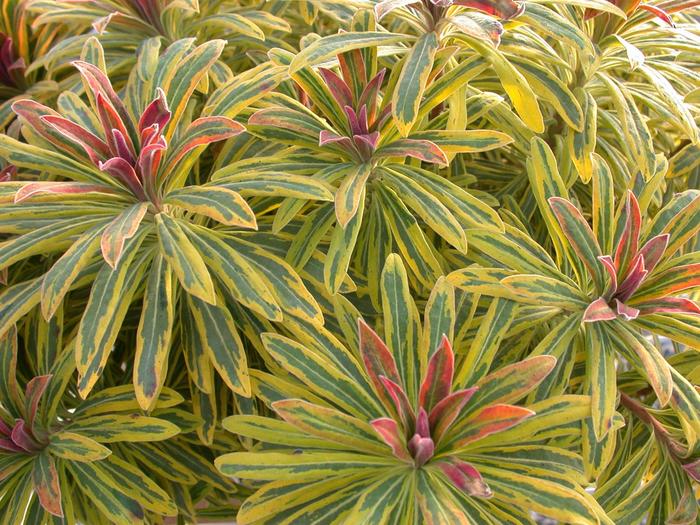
139	487
220	204
95	483
330	424
154	334
581	143
412	81
284	283
465	141
45	161
427	207
16	301
514	83
327	47
288	466
184	258
110	297
218	337
400	328
340	250
409	236
547	497
76	447
240	279
581	238
123	227
601	379
113	428
188	74
350	193
540	290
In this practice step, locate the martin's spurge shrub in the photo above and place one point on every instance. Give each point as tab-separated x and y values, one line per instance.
346	262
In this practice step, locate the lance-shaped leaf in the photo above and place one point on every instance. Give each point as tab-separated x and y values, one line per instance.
419	149
218	337
668	305
32	395
186	261
237	276
188	75
465	141
113	503
601	380
333	45
221	204
338	88
120	427
32	189
402	405
154	333
668	282
647	357
376	357
437	382
512	382
289	466
110	297
60	277
46	484
537	289
412	80
580	237
76	447
598	310
465	477
393	436
203	131
121	170
341	249
95	148
447	410
479	26
428	207
383	8
132	481
331	424
490	420
348	196
43	160
122	228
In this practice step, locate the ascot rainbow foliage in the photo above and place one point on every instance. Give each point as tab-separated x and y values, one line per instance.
349	261
392	435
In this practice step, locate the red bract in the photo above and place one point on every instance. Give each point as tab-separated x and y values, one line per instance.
632	288
363	123
24	436
11	67
415	433
358	136
130	152
630	6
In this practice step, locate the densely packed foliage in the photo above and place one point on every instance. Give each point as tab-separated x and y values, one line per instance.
358	261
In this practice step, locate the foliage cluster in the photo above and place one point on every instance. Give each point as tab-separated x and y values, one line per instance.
349	261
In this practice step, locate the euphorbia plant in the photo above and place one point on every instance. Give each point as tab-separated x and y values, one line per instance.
381	192
617	282
399	434
197	202
54	449
154	225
